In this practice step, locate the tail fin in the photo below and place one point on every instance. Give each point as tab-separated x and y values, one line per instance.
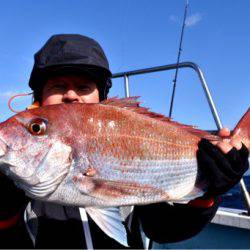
242	129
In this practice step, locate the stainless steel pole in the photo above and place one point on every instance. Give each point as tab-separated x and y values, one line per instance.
126	85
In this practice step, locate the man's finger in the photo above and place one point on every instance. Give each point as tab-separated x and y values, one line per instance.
224	132
225	147
236	143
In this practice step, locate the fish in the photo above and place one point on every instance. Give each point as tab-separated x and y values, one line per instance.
113	153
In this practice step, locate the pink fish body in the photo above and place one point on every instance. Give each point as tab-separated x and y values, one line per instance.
109	154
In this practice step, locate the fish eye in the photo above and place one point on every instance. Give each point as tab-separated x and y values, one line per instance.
37	127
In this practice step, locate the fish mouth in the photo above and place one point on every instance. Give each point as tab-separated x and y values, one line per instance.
3	148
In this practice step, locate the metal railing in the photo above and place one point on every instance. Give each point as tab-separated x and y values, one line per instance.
207	92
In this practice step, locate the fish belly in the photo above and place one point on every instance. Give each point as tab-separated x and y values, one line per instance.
119	182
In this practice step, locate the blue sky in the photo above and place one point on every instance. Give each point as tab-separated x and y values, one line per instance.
137	34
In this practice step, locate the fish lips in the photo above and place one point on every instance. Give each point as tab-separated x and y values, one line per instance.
3	148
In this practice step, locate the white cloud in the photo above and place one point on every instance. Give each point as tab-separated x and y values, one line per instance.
7	94
190	20
193	19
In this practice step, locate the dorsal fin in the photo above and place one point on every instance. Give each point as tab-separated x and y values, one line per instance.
133	104
122	102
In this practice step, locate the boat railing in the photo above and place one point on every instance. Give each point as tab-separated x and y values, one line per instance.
197	69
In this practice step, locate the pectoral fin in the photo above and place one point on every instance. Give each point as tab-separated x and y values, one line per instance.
110	222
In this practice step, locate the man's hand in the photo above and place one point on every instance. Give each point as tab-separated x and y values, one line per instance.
227	144
223	163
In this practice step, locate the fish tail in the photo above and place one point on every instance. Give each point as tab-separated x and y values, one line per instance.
242	129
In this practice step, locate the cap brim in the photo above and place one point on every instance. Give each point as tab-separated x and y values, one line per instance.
39	76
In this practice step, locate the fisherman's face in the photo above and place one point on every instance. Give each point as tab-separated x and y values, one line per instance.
69	89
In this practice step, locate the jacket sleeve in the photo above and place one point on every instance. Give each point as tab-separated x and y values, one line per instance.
166	223
13	233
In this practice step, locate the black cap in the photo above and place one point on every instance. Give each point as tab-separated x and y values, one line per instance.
71	53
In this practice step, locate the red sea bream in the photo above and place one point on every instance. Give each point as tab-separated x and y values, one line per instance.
109	154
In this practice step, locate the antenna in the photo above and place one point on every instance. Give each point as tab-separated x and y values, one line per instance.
178	60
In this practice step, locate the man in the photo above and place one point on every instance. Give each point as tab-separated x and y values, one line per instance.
74	68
